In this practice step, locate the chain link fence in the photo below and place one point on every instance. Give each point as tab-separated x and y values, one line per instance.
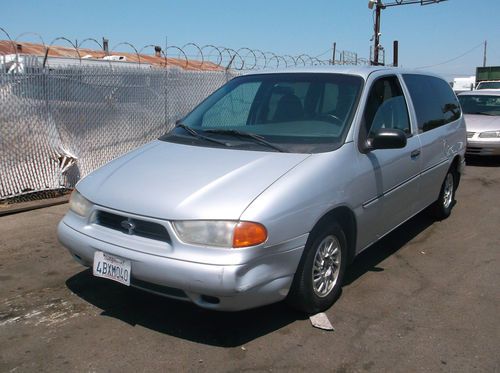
61	120
57	125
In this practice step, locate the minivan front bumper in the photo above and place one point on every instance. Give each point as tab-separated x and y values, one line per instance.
247	283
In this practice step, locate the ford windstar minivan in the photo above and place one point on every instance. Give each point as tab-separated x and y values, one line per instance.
270	187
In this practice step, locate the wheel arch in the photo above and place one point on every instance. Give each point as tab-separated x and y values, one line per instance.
345	217
455	165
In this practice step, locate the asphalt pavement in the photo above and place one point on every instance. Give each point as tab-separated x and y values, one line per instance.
426	298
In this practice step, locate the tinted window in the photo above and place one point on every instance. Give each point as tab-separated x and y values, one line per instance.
329	103
434	101
488	85
232	109
286	102
386	107
480	104
298	112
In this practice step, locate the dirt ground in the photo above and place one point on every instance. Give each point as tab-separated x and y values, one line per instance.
424	299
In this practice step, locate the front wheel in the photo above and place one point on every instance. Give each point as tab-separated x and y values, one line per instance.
318	280
442	207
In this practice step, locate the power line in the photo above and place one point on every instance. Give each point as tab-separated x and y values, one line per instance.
452	59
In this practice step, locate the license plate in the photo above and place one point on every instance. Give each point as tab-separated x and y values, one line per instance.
111	267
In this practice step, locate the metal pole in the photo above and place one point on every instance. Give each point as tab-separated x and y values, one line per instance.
166	83
484	57
395	53
105	45
377	33
334	50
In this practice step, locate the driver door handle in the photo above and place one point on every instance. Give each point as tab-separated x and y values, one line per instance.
414	154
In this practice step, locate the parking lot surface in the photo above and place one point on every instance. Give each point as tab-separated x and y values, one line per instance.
425	298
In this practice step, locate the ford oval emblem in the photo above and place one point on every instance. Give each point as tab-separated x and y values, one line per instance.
128	225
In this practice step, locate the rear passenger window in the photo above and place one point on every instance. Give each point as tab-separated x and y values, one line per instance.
434	101
386	107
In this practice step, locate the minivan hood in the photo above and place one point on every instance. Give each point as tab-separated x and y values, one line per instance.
174	181
481	123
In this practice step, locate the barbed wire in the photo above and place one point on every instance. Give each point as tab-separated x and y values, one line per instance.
203	56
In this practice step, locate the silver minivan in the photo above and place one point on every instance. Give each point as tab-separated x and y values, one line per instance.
270	187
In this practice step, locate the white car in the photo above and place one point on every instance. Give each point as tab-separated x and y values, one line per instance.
488	84
482	116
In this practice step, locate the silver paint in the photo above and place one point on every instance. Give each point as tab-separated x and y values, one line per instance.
287	193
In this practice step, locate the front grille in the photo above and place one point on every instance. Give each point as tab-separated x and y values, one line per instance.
490	135
132	226
470	134
474	150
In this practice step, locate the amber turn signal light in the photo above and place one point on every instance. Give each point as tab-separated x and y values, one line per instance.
249	234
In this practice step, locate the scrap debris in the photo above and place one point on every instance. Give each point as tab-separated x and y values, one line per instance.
320	321
66	158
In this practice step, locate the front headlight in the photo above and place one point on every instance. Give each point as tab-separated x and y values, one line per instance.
490	134
225	233
79	204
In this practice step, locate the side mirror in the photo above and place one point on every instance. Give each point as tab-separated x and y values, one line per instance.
386	138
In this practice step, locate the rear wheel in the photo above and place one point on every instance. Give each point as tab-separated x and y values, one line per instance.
442	207
318	280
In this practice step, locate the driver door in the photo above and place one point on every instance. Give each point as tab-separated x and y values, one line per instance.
390	177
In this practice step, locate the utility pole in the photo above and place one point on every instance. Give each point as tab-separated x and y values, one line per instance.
376	38
484	57
379	5
334	50
376	29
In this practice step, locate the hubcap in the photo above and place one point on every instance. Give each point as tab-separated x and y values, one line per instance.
448	191
326	266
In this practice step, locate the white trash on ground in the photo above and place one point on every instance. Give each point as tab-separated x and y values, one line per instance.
320	321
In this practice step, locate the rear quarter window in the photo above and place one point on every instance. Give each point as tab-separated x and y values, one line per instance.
433	99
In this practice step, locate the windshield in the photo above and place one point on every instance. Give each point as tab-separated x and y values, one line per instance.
305	113
488	85
480	104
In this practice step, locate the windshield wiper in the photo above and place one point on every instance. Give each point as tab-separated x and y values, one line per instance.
198	135
258	139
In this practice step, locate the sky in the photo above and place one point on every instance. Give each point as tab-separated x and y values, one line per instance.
429	36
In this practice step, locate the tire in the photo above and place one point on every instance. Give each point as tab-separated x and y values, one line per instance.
312	296
446	200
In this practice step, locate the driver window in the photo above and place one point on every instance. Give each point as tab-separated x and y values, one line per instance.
386	107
